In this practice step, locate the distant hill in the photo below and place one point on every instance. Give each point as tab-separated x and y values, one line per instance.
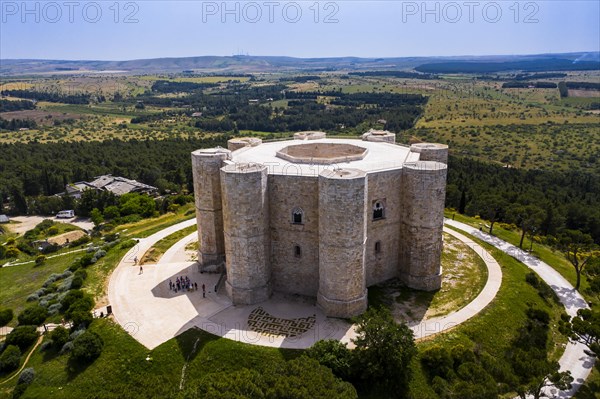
249	64
538	65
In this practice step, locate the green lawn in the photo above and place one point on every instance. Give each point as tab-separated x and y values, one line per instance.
154	254
552	257
496	326
122	370
17	282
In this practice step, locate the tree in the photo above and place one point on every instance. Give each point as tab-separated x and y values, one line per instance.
384	350
463	202
59	337
537	373
490	207
532	370
301	378
111	212
10	358
579	249
585	328
87	347
33	315
96	217
333	354
6	315
527	217
22	336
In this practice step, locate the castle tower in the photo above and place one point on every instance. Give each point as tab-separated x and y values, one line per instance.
431	152
247	241
207	191
423	190
241	142
342	234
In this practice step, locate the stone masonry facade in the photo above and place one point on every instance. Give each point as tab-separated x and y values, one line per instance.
317	229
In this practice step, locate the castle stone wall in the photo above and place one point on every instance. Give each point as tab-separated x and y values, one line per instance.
247	239
209	214
423	191
342	235
292	273
383	265
431	152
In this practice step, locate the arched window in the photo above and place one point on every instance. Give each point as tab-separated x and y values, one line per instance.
378	210
378	247
297	251
297	216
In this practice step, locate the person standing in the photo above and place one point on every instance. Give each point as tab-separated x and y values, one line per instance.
203	291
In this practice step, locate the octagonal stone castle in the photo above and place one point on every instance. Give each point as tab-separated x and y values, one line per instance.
321	217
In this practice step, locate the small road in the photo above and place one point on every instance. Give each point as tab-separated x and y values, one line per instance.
574	358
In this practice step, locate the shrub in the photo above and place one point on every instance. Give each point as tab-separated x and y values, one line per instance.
111	237
333	354
99	254
26	376
76	333
33	316
10	358
52	231
81	318
44	225
59	337
70	297
87	347
19	390
65	285
128	244
51	279
2	251
437	361
82	274
32	298
86	259
12	252
6	316
532	279
26	248
54	309
22	336
68	347
40	260
77	282
51	249
80	241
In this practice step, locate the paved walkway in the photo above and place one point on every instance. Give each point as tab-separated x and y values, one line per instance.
152	313
574	357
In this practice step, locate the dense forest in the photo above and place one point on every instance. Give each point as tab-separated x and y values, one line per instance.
561	199
525	84
555	200
167	86
235	108
51	96
16	124
394	74
17	105
552	64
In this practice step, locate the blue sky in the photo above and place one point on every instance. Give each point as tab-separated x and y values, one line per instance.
122	30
